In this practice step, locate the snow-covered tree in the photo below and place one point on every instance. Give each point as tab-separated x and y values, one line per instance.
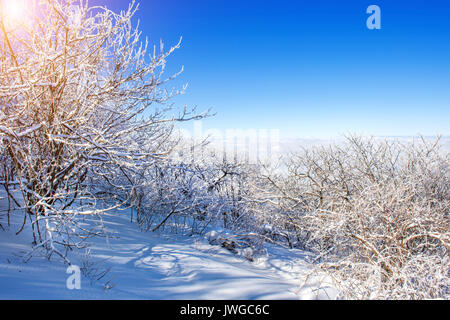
80	95
377	214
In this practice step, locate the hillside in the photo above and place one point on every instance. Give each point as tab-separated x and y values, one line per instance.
152	266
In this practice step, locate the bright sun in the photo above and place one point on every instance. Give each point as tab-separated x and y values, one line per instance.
13	10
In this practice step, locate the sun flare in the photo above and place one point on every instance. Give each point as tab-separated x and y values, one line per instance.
13	10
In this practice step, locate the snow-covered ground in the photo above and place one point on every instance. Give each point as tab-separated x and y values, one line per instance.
154	266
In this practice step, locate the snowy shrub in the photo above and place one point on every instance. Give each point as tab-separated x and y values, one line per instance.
245	245
198	193
194	197
80	96
94	271
377	213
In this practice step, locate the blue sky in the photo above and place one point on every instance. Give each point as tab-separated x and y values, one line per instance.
309	68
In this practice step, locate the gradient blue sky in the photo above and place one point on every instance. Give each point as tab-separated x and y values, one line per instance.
309	68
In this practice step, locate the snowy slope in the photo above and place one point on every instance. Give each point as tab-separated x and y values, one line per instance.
154	266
